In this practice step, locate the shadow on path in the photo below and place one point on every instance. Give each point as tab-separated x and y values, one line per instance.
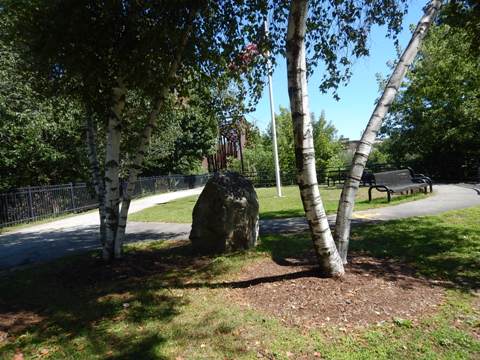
35	247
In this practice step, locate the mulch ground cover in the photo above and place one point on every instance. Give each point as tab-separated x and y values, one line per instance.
372	291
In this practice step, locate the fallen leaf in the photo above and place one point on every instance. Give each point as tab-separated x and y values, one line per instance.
3	336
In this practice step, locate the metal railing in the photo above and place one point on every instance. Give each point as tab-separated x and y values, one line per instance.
328	176
39	202
259	179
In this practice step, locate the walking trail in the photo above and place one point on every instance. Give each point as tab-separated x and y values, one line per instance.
44	242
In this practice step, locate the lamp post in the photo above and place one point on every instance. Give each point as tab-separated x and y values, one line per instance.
274	127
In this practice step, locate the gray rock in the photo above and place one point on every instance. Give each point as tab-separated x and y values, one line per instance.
225	217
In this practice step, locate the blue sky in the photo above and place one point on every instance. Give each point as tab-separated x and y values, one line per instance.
349	115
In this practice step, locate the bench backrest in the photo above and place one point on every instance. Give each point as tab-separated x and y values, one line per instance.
395	177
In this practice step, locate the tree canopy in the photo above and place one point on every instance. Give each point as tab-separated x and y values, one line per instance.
435	120
40	137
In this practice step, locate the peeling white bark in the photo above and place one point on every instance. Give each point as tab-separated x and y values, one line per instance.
136	167
112	161
134	171
328	257
352	183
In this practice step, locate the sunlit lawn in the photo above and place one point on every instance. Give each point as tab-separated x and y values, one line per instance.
157	302
271	206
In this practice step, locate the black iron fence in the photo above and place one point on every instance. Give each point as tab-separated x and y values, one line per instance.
329	176
39	202
259	179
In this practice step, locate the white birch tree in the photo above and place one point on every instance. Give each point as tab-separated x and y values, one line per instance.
110	49
352	182
328	257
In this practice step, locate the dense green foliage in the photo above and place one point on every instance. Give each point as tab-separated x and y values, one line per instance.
170	58
435	121
182	139
258	155
40	137
464	14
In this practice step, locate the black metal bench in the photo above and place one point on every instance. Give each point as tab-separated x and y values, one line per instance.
398	182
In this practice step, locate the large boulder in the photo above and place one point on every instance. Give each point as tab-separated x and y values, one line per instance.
225	217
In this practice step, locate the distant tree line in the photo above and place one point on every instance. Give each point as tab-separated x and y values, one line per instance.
258	154
434	122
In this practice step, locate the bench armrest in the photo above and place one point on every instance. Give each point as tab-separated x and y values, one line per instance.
422	178
418	177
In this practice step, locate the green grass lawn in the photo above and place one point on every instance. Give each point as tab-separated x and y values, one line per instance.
271	206
160	302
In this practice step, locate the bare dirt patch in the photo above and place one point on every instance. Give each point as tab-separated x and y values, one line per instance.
373	291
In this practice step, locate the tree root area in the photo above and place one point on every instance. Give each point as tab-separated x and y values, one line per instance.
373	291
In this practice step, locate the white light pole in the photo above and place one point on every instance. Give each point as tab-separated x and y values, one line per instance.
274	127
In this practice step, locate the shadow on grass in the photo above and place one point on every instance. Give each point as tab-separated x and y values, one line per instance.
396	199
443	248
436	247
280	214
81	297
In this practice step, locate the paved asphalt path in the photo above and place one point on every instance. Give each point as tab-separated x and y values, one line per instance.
43	242
48	241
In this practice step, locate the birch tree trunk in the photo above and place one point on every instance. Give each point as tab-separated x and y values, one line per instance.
328	257
133	176
136	167
112	160
352	182
96	177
